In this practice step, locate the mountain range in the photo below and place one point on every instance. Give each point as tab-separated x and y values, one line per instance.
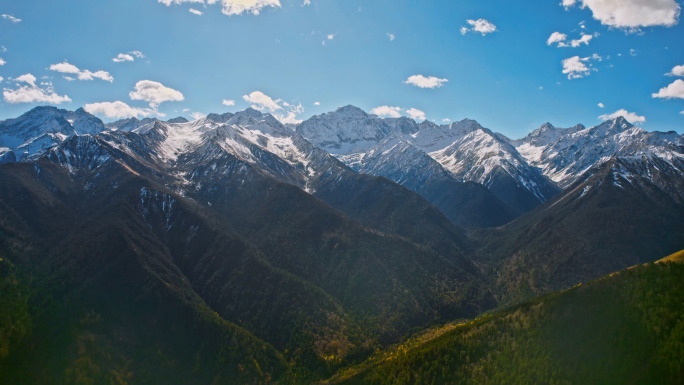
283	254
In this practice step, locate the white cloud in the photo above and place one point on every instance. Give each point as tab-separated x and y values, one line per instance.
11	18
31	93
130	56
481	25
195	12
631	13
262	102
122	57
155	93
601	105
198	115
674	90
677	71
416	114
568	3
103	75
576	68
446	120
630	116
227	102
67	68
1	79
306	2
387	111
557	37
317	103
117	110
169	2
69	78
237	7
425	82
27	78
330	36
391	36
632	52
585	39
233	7
291	116
2	62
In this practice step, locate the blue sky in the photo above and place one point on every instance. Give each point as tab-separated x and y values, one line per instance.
296	60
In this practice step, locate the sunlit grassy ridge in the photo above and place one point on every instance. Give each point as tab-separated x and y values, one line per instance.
677	257
627	328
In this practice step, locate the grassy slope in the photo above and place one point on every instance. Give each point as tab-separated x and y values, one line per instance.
627	328
677	257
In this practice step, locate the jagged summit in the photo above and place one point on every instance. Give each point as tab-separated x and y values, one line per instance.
178	119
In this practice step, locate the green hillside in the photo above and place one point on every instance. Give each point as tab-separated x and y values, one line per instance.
627	328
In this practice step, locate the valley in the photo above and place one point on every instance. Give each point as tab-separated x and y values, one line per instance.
346	249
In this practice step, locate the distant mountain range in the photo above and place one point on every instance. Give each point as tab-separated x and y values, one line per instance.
281	253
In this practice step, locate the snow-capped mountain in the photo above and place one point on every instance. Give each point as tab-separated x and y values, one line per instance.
41	128
395	148
564	155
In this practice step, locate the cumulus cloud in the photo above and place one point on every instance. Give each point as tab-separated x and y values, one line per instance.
631	14
425	82
27	78
559	38
577	67
585	39
122	57
227	102
630	116
481	25
285	112
391	36
262	102
32	93
198	115
118	110
67	68
387	111
601	105
232	7
317	103
446	120
11	18
130	56
291	116
155	93
672	91
677	71
1	79
196	12
2	62
415	114
306	2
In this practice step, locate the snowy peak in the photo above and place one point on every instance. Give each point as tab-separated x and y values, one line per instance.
565	154
220	118
43	127
345	131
